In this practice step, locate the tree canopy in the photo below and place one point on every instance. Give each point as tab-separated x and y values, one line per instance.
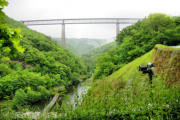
9	37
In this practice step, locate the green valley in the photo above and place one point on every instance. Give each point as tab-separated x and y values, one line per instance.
135	77
80	46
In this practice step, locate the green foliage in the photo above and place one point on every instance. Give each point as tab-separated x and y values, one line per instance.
138	39
41	51
20	98
9	38
28	96
91	57
21	79
9	42
3	3
4	70
36	72
127	94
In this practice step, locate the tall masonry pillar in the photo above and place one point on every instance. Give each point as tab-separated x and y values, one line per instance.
63	39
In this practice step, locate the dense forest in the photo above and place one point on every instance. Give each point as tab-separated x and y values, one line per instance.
34	67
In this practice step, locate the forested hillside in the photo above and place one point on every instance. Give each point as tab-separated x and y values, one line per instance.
80	46
37	73
137	39
91	57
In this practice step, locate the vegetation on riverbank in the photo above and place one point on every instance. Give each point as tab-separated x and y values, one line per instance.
39	67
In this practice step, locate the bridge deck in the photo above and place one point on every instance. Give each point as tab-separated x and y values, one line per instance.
82	21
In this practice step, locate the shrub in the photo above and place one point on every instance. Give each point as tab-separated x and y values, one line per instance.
28	96
4	70
21	79
20	98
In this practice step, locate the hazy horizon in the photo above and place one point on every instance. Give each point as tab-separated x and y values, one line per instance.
55	9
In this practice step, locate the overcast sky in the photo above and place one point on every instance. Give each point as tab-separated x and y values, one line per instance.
59	9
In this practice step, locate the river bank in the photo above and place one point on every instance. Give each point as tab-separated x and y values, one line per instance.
69	103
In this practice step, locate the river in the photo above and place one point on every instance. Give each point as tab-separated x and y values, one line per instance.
76	96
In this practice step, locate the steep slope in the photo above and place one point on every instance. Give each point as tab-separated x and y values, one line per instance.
128	94
35	75
165	60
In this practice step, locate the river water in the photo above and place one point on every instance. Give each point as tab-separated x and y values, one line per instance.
76	96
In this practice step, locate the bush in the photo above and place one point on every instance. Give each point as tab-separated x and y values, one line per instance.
4	70
20	98
28	96
9	42
21	79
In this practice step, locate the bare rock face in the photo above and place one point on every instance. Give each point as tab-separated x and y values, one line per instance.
167	63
